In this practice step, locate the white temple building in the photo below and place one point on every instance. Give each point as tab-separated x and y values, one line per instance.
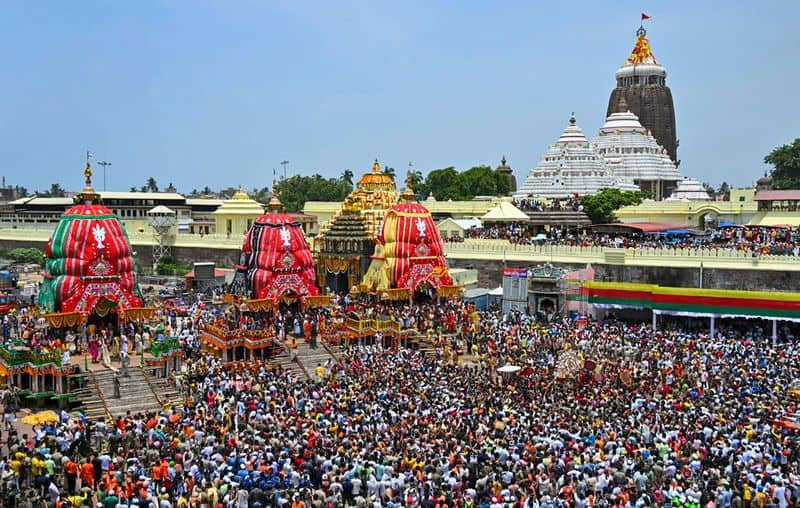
571	166
689	189
631	152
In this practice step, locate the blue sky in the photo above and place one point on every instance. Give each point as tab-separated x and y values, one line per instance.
219	92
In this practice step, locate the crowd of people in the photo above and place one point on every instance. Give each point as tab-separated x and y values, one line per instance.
596	415
781	241
535	205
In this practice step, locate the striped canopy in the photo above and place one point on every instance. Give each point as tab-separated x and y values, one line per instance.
89	267
408	251
275	260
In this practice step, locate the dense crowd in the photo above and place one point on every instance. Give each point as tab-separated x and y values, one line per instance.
782	241
604	415
535	205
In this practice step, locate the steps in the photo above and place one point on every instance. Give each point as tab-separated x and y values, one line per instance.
309	358
284	360
137	396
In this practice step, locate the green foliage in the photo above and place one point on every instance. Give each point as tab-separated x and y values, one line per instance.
168	265
56	191
601	207
447	183
785	161
27	255
297	189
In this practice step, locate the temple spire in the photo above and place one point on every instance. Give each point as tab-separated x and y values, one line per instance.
275	205
88	195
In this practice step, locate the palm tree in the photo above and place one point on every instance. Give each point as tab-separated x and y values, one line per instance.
134	189
151	185
416	178
387	170
347	176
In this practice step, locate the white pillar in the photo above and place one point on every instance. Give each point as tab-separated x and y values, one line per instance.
774	331
655	320
713	330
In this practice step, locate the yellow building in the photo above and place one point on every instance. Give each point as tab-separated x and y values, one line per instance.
740	209
235	216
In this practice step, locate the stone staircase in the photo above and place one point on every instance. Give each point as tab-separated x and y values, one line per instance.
285	361
139	393
305	358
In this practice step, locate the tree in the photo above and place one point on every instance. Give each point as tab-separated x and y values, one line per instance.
785	162
601	207
134	189
56	191
20	192
724	191
347	176
447	183
387	170
170	188
709	189
151	185
296	190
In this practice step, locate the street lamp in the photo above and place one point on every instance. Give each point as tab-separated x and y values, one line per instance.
105	164
284	164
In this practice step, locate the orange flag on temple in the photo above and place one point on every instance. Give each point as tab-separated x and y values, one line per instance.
645	16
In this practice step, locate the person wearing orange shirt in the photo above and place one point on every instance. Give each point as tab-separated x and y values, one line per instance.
71	473
87	475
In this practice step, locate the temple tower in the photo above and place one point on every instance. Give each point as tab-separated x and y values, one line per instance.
642	89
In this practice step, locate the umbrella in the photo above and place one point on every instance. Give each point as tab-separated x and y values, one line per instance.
40	418
508	369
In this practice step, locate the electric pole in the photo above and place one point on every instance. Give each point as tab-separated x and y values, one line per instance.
284	164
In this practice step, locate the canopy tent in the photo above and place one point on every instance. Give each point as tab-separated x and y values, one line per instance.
505	212
693	301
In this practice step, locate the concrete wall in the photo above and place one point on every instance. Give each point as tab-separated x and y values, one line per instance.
490	271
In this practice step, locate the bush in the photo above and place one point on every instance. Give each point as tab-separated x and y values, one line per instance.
27	255
168	265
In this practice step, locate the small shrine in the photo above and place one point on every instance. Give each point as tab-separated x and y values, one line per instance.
347	241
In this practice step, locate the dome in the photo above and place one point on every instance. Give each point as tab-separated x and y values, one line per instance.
408	251
689	189
376	180
89	264
275	260
631	152
571	166
240	195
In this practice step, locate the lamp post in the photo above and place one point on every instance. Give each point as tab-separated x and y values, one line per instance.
105	164
284	163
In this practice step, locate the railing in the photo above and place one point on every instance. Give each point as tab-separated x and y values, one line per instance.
723	257
160	348
146	238
16	358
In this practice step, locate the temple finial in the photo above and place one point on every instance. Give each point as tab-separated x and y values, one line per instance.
87	173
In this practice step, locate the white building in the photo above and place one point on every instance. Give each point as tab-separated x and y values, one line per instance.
631	152
689	189
571	166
